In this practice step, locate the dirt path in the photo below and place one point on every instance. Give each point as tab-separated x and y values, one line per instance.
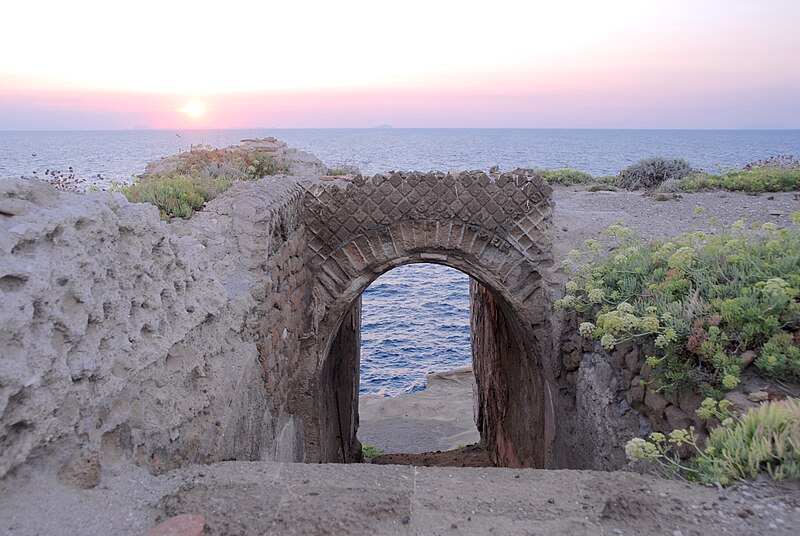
467	456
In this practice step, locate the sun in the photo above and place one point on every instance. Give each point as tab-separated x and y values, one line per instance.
194	108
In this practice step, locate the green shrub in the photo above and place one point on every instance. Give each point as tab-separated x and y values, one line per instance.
368	451
342	169
703	300
669	186
757	179
651	172
232	163
765	439
181	184
780	358
565	176
175	196
606	179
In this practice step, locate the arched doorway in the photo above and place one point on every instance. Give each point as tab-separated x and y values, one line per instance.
506	361
492	229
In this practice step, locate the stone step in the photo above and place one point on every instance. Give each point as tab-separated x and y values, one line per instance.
362	499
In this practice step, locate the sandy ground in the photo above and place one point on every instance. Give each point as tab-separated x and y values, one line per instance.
439	417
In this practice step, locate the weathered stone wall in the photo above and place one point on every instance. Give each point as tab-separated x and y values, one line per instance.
612	400
579	412
235	334
141	340
339	420
511	400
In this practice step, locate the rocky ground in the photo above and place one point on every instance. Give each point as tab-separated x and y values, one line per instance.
437	418
272	498
582	214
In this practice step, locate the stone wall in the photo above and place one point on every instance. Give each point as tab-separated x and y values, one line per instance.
235	334
494	228
612	398
135	339
510	413
339	419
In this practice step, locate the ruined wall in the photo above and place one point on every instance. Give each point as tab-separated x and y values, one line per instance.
339	419
140	340
235	334
607	400
494	228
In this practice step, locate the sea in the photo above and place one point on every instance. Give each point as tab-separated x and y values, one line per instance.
415	318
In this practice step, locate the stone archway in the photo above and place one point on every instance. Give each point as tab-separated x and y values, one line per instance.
494	229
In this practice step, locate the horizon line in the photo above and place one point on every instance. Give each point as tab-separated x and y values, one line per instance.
199	129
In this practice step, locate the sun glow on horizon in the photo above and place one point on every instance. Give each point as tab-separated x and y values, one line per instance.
194	108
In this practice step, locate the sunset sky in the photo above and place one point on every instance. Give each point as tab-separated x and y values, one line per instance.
88	64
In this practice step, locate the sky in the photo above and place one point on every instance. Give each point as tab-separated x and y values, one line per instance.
88	64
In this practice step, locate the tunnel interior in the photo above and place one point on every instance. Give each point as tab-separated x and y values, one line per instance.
509	401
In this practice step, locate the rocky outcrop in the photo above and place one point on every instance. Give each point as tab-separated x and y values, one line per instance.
614	399
231	161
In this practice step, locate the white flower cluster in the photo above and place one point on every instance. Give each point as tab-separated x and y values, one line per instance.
638	449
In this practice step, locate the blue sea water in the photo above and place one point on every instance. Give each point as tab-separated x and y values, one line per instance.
120	154
415	321
415	318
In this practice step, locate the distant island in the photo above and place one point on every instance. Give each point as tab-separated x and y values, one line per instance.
384	126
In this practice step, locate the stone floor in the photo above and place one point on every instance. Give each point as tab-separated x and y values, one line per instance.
293	499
